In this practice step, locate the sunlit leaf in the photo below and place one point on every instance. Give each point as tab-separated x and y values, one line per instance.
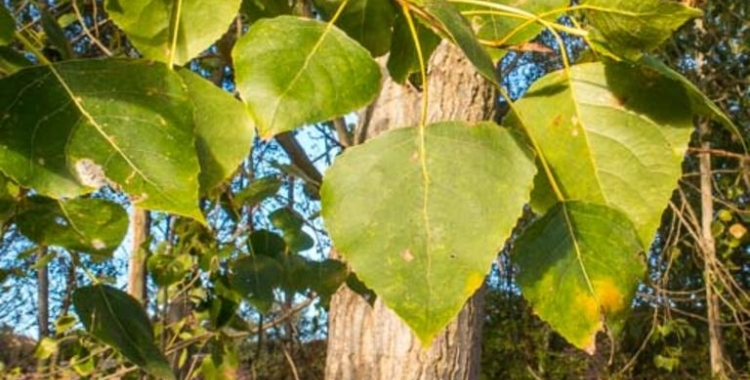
166	270
95	226
223	128
628	28
511	28
369	22
610	134
78	125
153	25
7	26
579	267
461	34
422	228
118	320
315	73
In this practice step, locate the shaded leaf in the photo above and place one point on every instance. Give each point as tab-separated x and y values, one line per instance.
55	34
579	266
95	226
369	22
401	220
258	191
611	134
223	128
257	9
153	25
628	28
313	74
8	193
119	321
74	126
461	34
267	243
403	59
7	26
255	278
290	223
11	61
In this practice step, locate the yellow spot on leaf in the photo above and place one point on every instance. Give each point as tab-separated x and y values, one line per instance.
407	255
474	281
610	297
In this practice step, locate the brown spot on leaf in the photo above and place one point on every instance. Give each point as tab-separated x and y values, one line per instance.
557	121
407	255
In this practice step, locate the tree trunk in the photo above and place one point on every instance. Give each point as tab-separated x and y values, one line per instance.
372	343
137	263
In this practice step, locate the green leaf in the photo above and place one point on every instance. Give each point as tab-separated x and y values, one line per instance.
222	363
168	269
153	25
255	277
701	104
55	34
12	61
628	28
579	266
610	134
369	22
403	59
96	226
505	31
290	223
119	321
267	243
258	190
461	34
254	10
423	230
7	26
223	128
7	198
313	74
74	126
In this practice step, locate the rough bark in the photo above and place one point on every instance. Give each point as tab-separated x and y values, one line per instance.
137	262
372	343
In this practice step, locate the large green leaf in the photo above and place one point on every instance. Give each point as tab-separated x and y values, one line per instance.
312	74
579	266
75	126
458	29
176	29
367	21
630	27
95	226
610	134
7	26
403	59
223	129
508	30
118	320
422	227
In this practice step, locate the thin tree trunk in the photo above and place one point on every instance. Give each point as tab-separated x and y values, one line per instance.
42	277
372	343
139	228
708	246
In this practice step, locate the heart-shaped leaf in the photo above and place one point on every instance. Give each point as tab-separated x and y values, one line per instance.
118	320
315	73
95	226
223	128
628	28
579	267
369	22
421	227
74	126
610	134
172	31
